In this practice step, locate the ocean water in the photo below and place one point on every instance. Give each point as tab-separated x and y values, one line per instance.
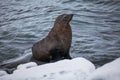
95	27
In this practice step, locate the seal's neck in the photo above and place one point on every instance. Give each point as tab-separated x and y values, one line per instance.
61	24
61	27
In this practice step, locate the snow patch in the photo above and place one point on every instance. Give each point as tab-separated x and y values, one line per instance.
109	71
2	73
27	65
75	69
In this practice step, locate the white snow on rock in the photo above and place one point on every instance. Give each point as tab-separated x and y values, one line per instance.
2	73
109	71
27	65
75	69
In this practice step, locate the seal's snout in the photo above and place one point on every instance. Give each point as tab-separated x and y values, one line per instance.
64	18
67	18
71	15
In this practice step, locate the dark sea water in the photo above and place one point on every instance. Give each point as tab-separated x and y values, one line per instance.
95	26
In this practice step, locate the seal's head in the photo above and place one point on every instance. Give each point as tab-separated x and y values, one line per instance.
64	18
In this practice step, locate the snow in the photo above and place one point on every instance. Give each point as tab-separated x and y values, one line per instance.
109	71
75	69
27	65
2	73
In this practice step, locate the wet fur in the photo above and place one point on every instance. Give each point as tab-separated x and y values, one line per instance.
57	44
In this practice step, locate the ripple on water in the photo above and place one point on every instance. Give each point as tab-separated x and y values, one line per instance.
95	26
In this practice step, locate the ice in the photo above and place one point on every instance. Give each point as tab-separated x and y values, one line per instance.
109	71
75	69
2	73
27	65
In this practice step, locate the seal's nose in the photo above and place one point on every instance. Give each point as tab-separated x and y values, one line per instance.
70	16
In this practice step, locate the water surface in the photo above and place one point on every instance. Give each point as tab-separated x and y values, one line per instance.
95	26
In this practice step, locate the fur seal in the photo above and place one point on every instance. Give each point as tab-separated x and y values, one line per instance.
57	43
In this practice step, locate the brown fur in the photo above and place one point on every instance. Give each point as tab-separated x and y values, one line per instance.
57	43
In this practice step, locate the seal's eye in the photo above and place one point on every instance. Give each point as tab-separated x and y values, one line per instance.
64	18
